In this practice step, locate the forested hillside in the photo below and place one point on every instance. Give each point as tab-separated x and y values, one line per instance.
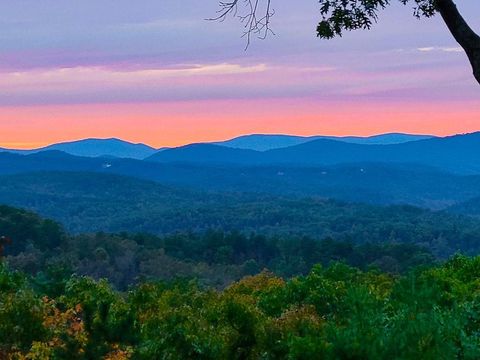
213	257
171	192
469	207
219	295
360	182
87	202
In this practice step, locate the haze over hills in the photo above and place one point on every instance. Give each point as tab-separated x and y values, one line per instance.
435	173
114	147
377	183
89	202
208	154
457	154
469	207
263	142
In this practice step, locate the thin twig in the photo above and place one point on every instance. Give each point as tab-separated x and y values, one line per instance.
253	14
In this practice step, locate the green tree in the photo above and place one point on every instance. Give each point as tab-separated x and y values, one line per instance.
21	312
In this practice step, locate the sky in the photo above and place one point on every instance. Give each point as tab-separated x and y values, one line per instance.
157	72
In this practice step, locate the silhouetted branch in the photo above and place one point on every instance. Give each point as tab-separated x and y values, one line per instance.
254	14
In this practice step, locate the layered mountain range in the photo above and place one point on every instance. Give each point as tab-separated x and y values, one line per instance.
123	149
432	172
458	154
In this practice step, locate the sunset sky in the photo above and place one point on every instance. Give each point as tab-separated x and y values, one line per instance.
155	71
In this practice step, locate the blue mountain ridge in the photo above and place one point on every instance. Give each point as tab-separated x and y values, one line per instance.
263	142
458	153
97	148
114	147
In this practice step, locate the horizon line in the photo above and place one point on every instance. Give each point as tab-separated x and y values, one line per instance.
40	146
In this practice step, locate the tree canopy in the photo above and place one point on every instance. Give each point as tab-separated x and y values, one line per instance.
338	16
335	312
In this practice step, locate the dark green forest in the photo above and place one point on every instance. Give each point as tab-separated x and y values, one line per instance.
89	203
213	257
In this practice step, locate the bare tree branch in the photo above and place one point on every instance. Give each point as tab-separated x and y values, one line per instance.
254	14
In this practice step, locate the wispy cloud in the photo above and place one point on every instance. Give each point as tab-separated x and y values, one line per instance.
440	49
88	76
81	73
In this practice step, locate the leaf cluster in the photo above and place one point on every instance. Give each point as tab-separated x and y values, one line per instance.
345	15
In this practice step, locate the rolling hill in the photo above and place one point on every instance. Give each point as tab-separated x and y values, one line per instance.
458	154
376	183
263	142
114	147
206	153
96	148
89	202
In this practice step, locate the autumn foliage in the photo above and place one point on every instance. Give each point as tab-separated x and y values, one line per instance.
333	312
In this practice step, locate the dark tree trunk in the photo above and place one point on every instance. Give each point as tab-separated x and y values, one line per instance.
462	32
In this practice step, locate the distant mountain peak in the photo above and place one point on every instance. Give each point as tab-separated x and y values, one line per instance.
97	147
264	142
